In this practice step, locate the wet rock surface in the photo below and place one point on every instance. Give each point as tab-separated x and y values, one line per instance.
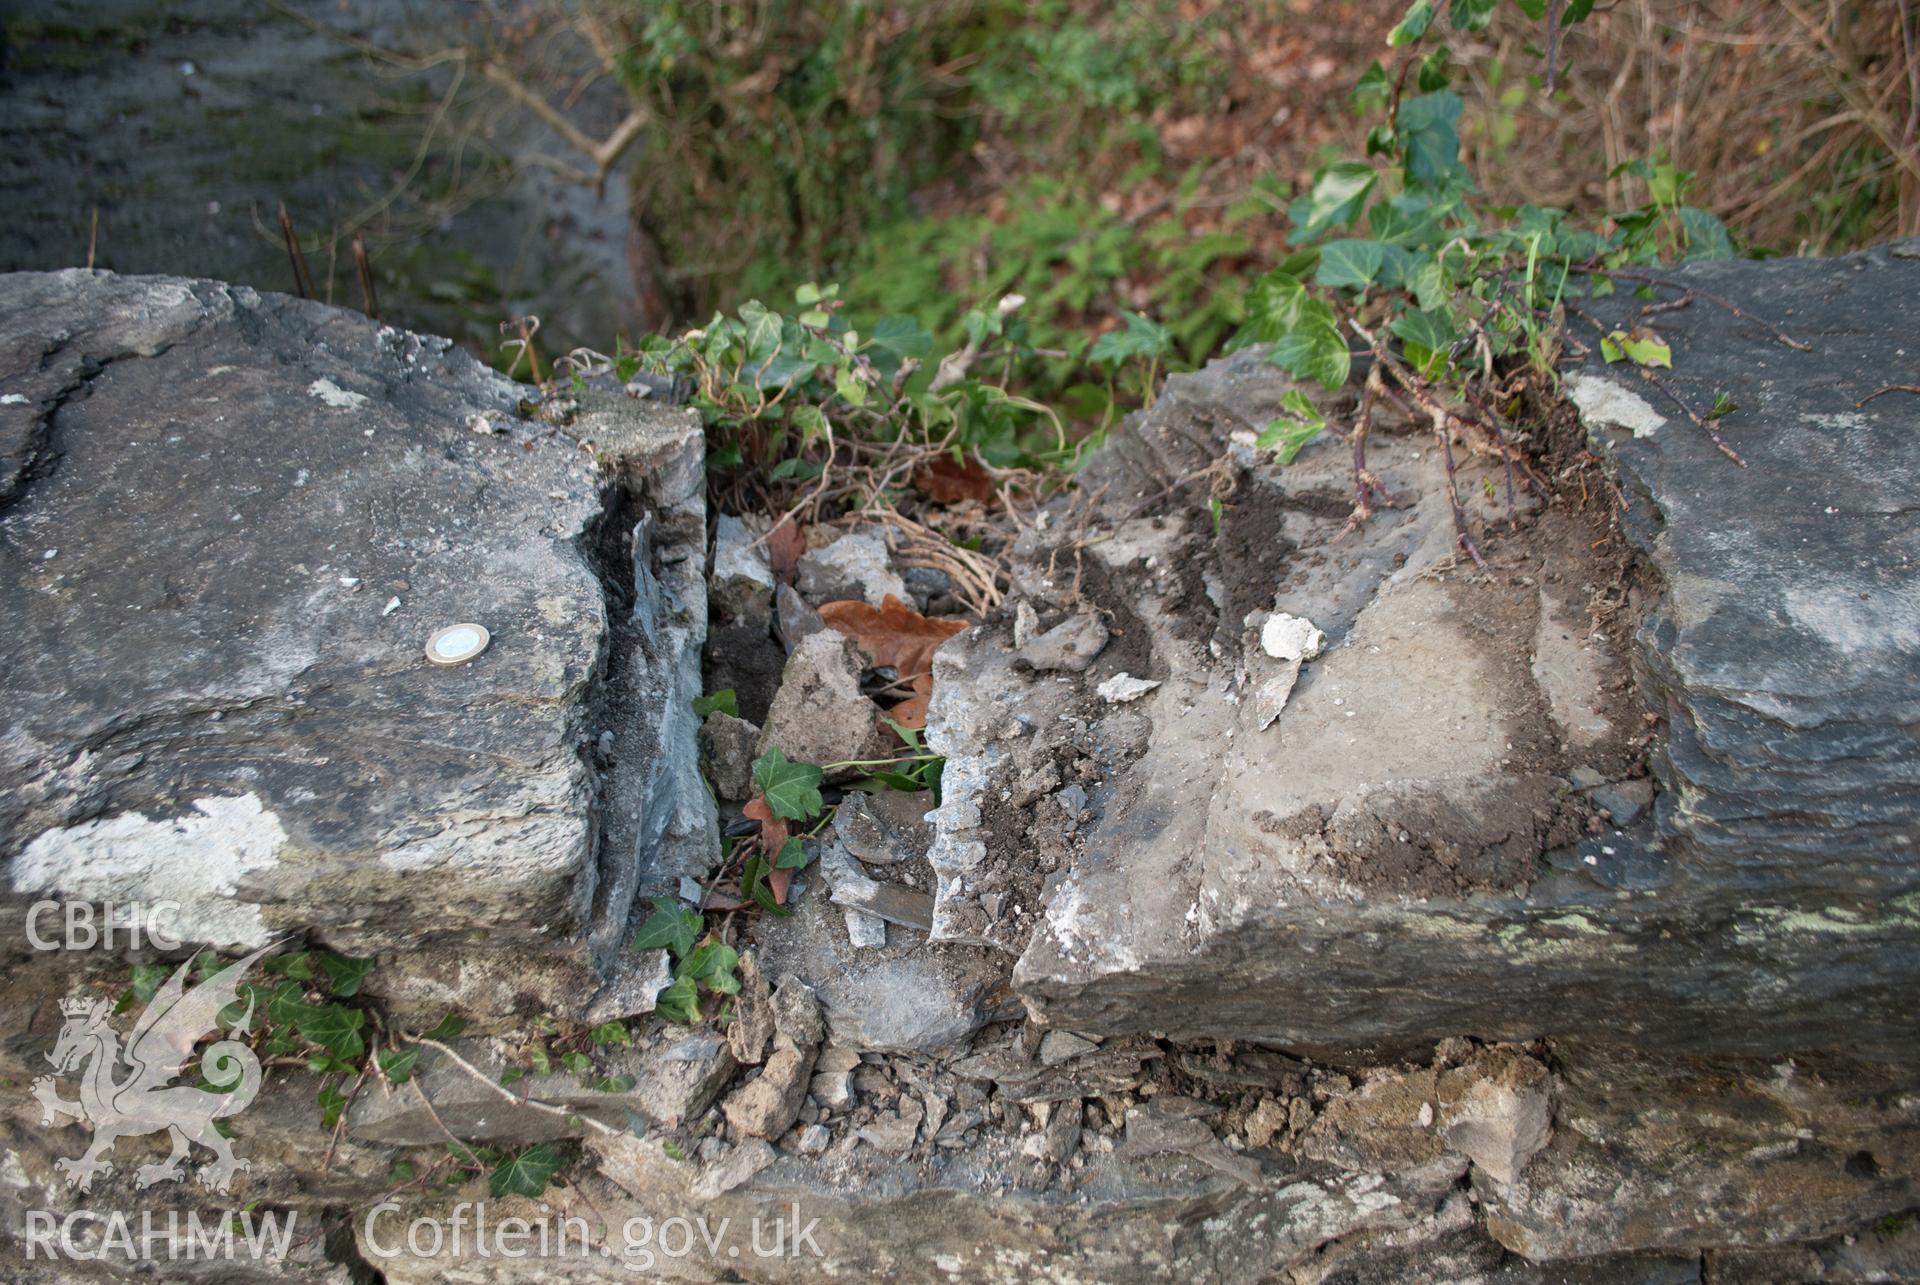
233	522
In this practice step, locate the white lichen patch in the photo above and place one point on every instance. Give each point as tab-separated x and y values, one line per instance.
194	860
1606	401
335	396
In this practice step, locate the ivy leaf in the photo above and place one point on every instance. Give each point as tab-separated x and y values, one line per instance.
1412	25
1314	349
1431	328
1470	15
397	1064
1641	346
1273	308
1335	199
1433	70
679	1002
335	1028
793	855
612	1033
448	1027
1350	263
1372	90
713	963
525	1173
895	340
578	1063
332	1103
149	978
671	926
1707	236
1430	126
345	974
1293	430
1141	337
724	700
792	790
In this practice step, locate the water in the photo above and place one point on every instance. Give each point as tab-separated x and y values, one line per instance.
186	124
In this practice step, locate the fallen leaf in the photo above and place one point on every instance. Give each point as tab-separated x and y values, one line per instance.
773	831
785	544
950	481
898	637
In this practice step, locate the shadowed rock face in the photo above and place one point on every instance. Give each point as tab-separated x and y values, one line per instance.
231	522
1407	850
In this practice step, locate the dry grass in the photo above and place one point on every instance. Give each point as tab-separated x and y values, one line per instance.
1801	118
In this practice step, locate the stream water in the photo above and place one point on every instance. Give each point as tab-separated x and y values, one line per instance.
182	127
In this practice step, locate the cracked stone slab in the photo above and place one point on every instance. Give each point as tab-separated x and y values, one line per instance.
1394	853
210	697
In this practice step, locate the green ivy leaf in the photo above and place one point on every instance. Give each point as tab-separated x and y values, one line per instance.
1471	15
397	1064
578	1063
792	790
672	926
1430	127
1313	349
713	963
345	974
679	1002
612	1033
335	1028
525	1173
1335	199
148	979
1372	90
1293	430
1140	337
1350	263
1431	328
447	1027
332	1103
1433	70
1273	308
724	700
895	340
793	855
1412	25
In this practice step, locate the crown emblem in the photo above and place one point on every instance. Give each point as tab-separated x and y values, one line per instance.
78	1007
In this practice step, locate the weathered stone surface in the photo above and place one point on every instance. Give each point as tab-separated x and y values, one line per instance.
767	1105
885	827
727	747
856	565
1652	1156
819	714
1392	853
742	582
232	521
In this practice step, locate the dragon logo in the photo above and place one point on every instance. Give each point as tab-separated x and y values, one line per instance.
126	1093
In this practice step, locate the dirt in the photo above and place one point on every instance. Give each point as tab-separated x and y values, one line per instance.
748	660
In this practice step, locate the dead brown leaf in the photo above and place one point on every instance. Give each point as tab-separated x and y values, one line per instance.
785	544
896	636
773	837
950	481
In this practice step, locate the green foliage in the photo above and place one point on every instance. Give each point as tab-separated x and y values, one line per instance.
778	391
724	700
1401	240
792	790
1288	432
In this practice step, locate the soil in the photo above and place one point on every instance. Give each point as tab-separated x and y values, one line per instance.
747	659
